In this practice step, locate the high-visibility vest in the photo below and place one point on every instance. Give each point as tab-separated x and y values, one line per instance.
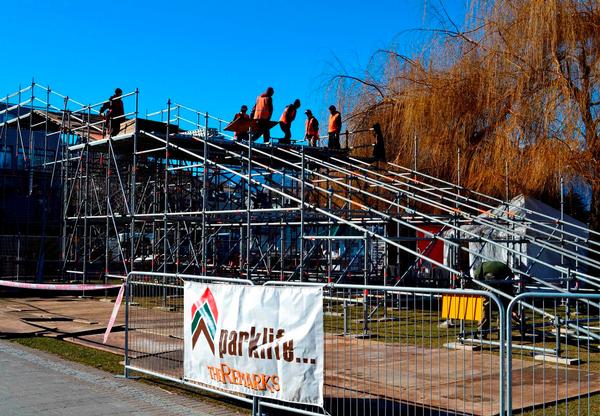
312	127
335	123
262	110
288	115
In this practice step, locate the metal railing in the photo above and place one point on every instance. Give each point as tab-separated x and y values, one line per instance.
388	350
559	372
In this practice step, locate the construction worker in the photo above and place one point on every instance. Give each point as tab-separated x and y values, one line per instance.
497	275
262	112
115	113
286	119
242	114
334	129
312	129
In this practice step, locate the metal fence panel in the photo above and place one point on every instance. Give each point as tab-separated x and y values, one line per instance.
154	324
553	365
387	350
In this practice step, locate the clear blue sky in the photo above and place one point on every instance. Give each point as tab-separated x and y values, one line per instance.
210	55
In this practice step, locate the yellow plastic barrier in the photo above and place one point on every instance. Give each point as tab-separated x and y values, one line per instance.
464	307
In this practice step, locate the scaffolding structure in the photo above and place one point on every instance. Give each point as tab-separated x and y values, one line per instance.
30	211
173	193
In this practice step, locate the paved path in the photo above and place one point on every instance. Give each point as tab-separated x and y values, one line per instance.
35	383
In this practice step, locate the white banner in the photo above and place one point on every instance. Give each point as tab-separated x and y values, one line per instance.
260	340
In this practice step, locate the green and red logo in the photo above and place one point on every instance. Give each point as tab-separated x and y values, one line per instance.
204	319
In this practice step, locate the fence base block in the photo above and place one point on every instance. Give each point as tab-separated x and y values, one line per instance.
463	347
164	308
363	336
447	324
556	360
387	319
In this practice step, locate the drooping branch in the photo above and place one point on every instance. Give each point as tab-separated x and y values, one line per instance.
361	81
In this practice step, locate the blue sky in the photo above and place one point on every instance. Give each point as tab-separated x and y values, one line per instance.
210	55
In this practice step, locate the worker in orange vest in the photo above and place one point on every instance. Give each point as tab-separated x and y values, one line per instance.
335	127
115	114
242	114
312	129
262	112
285	121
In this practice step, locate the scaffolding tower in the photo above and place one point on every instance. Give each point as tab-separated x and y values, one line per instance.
172	192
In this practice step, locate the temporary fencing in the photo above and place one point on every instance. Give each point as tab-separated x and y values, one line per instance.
387	350
556	368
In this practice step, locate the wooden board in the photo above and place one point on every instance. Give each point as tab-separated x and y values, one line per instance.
242	125
273	124
239	125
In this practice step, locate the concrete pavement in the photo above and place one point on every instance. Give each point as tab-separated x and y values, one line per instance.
36	383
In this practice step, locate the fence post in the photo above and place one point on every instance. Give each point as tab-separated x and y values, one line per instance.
508	358
345	316
504	324
126	353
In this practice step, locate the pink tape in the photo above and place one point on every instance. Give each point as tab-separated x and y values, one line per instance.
46	286
114	314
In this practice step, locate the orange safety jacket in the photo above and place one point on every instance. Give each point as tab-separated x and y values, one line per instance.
263	110
288	115
335	123
241	115
312	127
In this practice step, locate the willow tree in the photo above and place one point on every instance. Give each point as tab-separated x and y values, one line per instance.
515	90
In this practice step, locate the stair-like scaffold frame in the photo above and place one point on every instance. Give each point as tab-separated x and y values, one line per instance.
173	193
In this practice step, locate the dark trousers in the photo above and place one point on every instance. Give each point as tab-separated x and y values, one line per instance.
287	132
334	141
114	126
489	306
262	129
241	136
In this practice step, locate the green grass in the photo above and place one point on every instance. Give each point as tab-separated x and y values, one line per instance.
101	360
419	327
